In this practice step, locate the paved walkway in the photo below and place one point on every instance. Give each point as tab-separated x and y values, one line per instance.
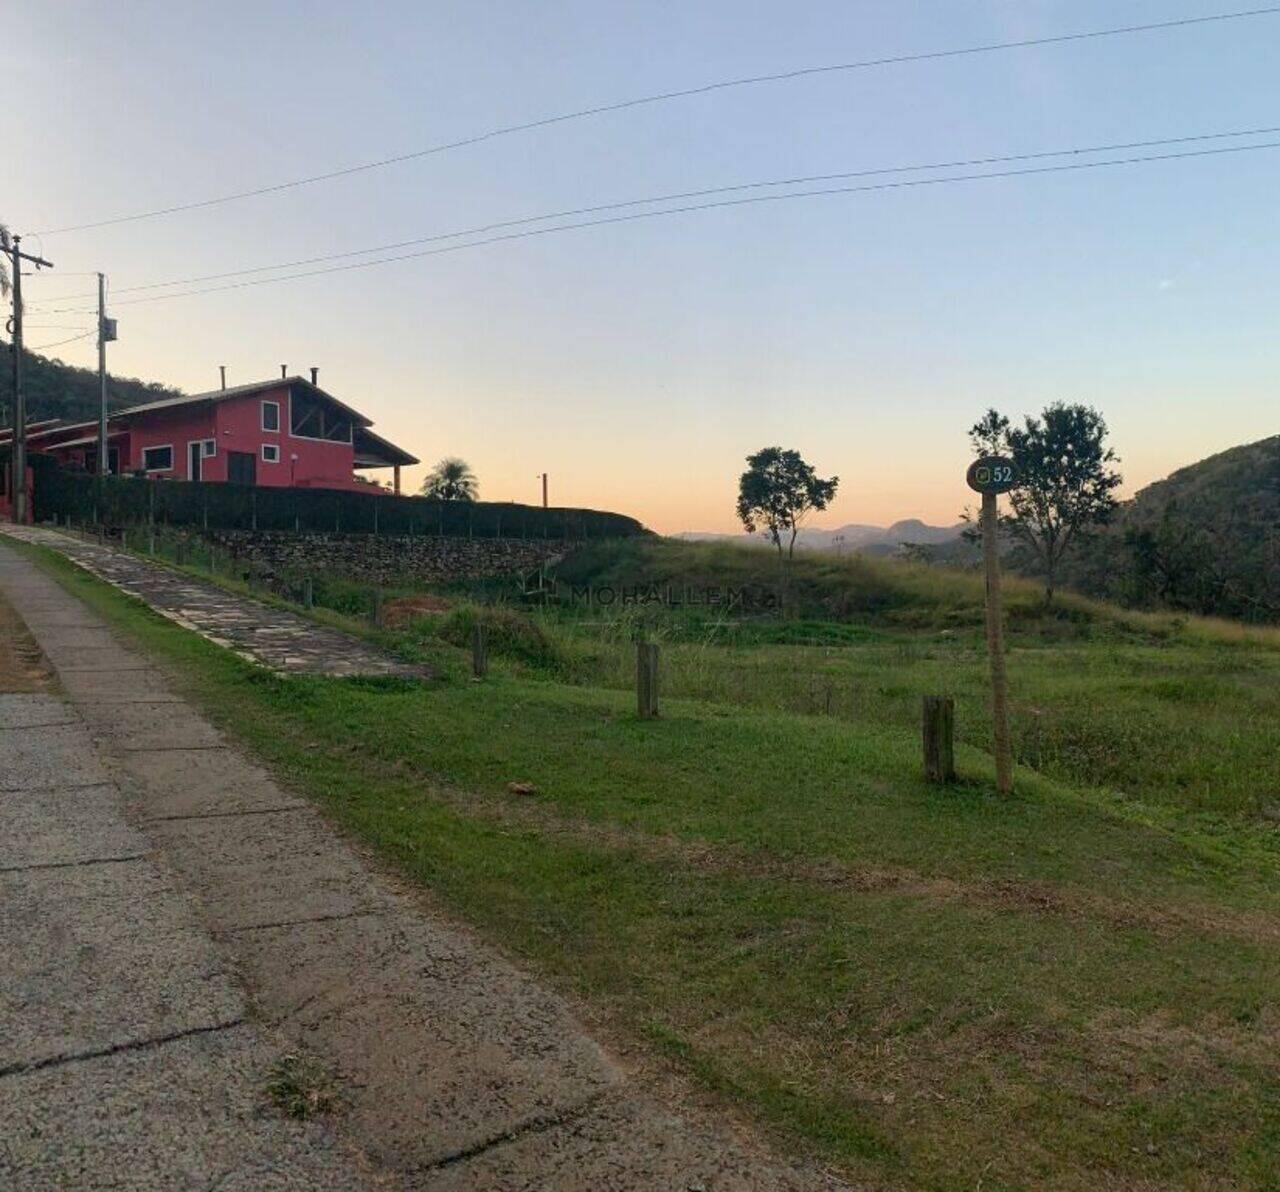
276	638
172	922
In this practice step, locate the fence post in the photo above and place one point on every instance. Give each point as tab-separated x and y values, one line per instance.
253	510
479	651
151	541
204	508
647	679
308	593
938	729
375	515
377	607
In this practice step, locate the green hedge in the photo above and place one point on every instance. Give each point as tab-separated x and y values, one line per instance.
126	501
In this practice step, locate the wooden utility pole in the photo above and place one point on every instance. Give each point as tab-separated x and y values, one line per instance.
19	461
105	333
544	490
991	476
995	645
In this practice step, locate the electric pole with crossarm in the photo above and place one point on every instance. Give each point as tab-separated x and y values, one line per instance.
19	470
106	333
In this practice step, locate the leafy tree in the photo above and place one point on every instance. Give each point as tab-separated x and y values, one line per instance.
451	480
777	491
1067	484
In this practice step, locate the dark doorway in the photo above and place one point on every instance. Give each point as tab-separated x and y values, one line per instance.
242	467
195	452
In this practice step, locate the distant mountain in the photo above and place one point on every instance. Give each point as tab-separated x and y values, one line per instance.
57	390
855	536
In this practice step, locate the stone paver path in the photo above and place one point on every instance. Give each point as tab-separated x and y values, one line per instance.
276	638
172	921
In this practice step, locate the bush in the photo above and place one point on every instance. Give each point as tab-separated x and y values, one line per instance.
510	634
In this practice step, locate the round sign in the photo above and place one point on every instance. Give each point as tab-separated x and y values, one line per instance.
992	474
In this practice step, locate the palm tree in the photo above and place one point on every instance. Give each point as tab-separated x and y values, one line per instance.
451	480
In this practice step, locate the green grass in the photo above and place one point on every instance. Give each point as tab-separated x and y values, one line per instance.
923	987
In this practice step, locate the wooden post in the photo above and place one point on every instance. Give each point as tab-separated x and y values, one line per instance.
308	593
479	651
938	725
995	645
647	680
377	607
151	541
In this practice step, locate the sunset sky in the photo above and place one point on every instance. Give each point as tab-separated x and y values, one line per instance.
639	363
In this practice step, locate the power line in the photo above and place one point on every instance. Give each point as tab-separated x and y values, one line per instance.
683	93
58	343
694	194
901	184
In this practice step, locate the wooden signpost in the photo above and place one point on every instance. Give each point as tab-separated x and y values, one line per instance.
992	475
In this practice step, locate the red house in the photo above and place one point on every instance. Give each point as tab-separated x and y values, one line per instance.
287	432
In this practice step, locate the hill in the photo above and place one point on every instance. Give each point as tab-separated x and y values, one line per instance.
57	390
1205	539
856	589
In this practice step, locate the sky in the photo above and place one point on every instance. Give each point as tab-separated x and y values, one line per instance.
638	363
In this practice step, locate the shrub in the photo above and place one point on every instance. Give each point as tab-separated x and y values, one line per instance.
511	634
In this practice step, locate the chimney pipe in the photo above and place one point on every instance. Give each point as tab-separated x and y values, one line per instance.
222	368
315	372
284	371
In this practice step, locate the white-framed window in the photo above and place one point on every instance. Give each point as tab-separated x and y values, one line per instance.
270	453
158	459
270	415
209	448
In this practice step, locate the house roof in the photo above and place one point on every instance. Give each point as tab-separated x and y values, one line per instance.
33	428
233	391
85	440
373	451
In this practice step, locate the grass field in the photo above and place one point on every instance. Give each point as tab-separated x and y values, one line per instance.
1075	987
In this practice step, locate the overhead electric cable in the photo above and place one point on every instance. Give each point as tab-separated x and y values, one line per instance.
683	93
901	184
480	229
58	343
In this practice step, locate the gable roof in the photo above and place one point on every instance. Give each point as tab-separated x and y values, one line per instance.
235	391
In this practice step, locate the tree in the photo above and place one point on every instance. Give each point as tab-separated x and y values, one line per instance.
5	245
451	480
1067	485
777	491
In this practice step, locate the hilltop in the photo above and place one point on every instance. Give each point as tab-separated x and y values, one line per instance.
55	389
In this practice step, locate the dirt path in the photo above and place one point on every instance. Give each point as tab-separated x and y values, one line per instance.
175	918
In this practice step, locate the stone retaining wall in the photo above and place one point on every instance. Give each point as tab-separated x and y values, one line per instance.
383	558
